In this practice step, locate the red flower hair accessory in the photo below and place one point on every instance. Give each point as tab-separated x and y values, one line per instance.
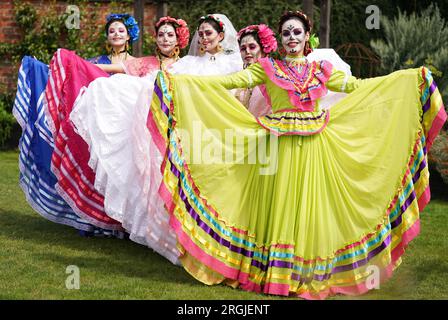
182	32
265	34
214	18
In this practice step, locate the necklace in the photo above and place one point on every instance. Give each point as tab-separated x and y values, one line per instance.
298	72
118	55
165	61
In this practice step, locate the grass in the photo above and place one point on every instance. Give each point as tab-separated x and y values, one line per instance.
34	255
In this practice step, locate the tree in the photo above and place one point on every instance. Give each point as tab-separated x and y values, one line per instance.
308	8
324	32
415	40
139	10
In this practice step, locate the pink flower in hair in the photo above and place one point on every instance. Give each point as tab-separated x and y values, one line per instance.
267	38
265	34
182	32
183	36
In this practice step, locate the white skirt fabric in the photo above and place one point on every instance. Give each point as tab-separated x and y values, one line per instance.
110	115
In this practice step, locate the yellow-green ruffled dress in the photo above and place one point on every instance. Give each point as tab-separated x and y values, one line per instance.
304	201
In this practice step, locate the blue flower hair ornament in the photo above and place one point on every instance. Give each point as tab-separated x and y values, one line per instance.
128	20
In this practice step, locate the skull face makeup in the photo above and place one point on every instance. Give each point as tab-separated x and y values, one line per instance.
250	50
294	37
166	39
209	38
117	34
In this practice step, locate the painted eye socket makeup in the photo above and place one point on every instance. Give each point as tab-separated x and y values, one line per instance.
250	47
111	30
295	32
169	34
206	33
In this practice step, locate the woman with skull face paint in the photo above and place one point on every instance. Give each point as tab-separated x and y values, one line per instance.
335	197
256	41
37	179
121	30
213	49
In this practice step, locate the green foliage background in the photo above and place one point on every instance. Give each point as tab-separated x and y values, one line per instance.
408	44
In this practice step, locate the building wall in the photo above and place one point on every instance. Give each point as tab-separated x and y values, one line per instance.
11	33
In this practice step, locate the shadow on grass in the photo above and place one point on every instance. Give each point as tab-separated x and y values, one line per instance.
431	267
62	245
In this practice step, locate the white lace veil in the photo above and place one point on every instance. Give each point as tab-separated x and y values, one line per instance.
229	43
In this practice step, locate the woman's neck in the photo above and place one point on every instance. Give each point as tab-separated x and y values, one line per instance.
295	58
118	54
118	50
166	61
213	52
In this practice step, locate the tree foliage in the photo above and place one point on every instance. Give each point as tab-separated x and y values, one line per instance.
438	157
413	40
7	120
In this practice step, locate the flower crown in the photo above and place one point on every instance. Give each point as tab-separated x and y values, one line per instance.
182	32
214	18
129	21
265	34
299	14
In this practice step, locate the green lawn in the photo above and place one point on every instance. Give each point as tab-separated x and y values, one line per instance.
34	254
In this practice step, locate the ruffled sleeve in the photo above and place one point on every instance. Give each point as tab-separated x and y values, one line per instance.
304	86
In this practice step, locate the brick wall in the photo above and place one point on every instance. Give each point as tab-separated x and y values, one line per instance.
10	32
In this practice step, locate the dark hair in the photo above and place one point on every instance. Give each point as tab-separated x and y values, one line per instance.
252	33
167	23
298	15
212	22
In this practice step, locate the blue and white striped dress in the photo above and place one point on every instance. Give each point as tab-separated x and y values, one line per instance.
36	147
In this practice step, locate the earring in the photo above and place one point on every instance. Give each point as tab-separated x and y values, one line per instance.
108	48
282	52
175	53
219	48
201	50
307	50
126	47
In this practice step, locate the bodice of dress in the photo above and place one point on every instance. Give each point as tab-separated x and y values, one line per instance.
255	75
